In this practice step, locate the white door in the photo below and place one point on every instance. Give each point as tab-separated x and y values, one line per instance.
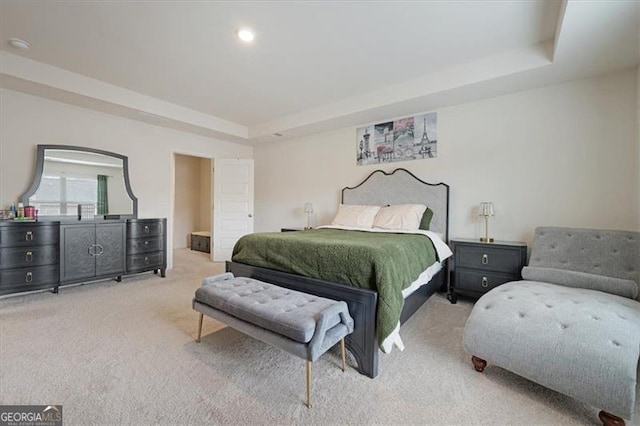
232	203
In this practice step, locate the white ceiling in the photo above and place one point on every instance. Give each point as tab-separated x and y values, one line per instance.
313	65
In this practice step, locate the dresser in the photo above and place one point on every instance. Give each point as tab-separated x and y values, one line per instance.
479	267
41	255
29	256
146	245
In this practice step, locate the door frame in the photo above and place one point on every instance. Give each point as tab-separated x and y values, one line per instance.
172	197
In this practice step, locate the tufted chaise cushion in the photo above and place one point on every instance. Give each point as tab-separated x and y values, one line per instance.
580	342
595	256
289	313
617	286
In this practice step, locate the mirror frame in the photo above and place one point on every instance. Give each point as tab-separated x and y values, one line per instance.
35	184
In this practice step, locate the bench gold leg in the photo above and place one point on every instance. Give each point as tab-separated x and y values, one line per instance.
199	328
308	384
342	352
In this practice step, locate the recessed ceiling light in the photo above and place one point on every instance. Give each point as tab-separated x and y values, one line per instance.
246	35
19	43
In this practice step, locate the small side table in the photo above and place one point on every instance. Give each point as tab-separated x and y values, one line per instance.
291	229
479	267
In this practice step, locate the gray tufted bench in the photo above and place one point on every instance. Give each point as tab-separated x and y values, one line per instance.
299	323
572	324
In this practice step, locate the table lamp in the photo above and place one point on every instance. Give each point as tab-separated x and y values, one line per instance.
486	210
308	209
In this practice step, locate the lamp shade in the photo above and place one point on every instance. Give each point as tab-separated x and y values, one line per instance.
308	207
486	208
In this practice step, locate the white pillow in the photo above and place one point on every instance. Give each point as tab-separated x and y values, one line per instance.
405	217
355	215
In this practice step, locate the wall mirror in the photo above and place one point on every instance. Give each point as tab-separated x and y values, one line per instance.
72	179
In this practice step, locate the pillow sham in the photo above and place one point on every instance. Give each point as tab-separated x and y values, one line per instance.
425	222
357	216
567	278
405	217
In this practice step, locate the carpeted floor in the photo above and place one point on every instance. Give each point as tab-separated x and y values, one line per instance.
124	353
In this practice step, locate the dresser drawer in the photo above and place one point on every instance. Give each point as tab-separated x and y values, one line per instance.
144	229
480	282
142	262
26	277
487	258
15	257
144	245
29	235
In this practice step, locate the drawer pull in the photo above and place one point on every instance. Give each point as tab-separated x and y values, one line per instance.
29	277
101	249
485	283
28	236
146	260
485	259
146	229
28	256
91	252
146	244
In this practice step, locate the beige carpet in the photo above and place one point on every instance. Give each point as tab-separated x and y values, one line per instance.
123	353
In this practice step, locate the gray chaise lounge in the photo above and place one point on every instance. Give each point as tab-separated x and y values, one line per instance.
573	324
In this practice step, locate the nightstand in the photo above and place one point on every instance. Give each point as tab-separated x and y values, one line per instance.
479	267
291	229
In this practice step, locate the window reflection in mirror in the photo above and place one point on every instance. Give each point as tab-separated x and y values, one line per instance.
71	178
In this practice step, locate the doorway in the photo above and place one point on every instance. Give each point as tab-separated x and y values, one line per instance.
192	212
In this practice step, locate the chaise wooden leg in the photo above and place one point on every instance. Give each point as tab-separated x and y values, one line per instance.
308	384
342	352
609	419
199	328
478	363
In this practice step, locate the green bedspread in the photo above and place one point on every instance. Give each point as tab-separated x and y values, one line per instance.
385	262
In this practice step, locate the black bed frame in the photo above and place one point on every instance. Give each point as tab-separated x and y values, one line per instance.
362	343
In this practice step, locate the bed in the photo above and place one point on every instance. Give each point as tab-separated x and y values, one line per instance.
379	188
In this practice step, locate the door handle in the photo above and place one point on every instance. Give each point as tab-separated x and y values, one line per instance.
91	252
28	256
101	249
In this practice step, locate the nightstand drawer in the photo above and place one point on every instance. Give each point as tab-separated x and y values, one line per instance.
489	258
480	282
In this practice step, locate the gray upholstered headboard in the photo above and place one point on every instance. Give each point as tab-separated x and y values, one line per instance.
402	187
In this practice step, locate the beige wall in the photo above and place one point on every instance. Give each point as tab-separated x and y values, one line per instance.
26	121
205	214
187	199
562	155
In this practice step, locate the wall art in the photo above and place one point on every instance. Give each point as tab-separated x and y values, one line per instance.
404	139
